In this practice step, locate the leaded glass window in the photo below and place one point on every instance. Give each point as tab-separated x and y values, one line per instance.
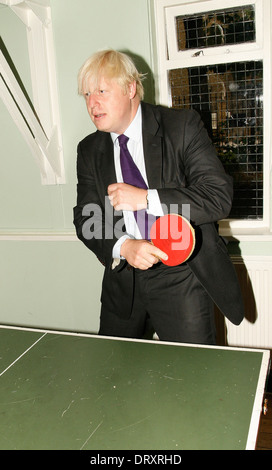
216	28
228	96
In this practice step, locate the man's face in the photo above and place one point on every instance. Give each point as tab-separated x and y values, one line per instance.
110	109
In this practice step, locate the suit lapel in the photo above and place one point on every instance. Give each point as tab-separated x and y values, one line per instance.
152	144
105	161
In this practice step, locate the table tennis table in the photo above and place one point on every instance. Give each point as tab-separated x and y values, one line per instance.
68	391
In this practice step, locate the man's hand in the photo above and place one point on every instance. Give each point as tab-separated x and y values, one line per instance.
141	254
123	196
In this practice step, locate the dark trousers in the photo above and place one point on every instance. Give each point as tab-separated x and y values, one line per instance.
169	301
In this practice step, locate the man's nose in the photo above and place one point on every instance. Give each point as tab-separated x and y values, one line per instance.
93	100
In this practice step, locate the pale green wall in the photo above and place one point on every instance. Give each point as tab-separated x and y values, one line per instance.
49	285
56	284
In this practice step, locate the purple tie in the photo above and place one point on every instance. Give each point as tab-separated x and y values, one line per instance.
132	175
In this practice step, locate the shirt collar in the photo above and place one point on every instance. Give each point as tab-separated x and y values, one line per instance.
134	130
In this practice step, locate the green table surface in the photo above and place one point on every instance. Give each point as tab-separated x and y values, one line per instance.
64	391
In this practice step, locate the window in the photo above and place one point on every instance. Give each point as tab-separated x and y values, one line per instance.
216	28
229	98
213	58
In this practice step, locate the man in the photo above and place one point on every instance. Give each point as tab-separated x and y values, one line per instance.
179	167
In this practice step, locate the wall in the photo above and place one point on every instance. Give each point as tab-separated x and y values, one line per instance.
47	280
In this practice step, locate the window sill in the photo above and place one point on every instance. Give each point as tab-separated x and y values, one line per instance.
245	231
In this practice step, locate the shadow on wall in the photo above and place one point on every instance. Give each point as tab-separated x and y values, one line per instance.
251	314
143	67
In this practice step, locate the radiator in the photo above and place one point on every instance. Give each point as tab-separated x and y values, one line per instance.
255	278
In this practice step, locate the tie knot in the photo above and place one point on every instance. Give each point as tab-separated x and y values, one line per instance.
123	139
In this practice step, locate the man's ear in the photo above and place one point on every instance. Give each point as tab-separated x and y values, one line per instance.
132	90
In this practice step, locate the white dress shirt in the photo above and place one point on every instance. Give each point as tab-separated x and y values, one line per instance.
135	147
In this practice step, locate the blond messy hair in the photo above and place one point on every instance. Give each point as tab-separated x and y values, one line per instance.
110	64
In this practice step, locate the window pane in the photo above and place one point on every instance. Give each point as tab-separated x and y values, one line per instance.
229	98
218	28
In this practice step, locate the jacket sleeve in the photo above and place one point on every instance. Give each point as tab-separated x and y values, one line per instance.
93	218
205	187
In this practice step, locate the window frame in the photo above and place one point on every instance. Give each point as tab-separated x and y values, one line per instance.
169	57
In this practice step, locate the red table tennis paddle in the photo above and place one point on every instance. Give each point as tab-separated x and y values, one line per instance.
175	236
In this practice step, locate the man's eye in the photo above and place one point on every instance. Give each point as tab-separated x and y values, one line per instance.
87	94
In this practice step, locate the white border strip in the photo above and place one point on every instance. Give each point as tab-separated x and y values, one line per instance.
134	340
18	358
258	403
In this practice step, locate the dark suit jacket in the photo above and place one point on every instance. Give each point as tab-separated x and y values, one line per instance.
182	165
